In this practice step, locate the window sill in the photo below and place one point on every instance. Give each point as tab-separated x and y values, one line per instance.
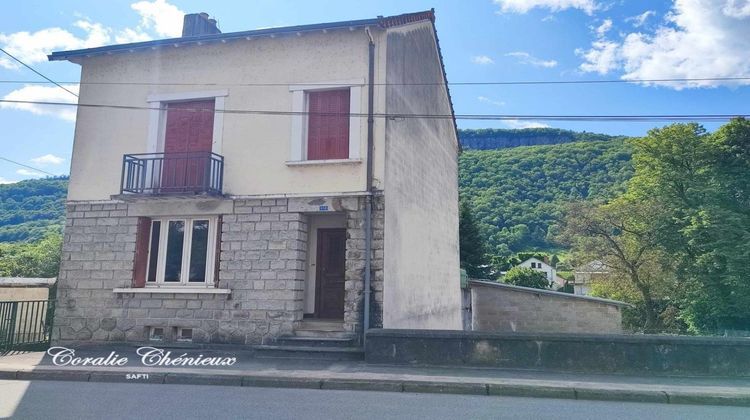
196	290
323	162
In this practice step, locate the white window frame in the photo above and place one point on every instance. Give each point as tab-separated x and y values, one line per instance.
298	141
158	116
186	247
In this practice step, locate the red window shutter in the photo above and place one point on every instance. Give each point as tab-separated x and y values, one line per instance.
217	257
188	139
328	125
141	251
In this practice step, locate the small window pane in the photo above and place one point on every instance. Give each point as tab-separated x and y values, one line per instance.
153	252
175	240
198	251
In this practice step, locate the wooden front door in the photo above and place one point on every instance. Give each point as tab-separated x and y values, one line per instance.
331	267
188	141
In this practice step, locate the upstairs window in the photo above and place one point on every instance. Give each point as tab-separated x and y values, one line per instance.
328	124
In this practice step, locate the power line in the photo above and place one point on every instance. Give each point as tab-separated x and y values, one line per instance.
27	166
397	116
485	83
40	74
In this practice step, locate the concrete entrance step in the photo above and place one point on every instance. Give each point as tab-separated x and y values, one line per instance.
309	352
321	325
321	329
303	341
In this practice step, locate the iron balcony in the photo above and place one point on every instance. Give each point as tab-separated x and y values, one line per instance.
184	173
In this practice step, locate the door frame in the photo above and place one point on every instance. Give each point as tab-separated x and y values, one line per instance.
318	268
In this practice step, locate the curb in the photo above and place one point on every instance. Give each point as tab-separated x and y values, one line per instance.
387	385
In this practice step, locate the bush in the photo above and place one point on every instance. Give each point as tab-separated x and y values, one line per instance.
526	277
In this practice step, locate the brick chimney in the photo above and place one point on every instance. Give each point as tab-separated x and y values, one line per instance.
196	24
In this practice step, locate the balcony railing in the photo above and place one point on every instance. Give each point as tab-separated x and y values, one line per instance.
172	173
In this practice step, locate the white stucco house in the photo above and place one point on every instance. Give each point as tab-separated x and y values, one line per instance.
255	186
586	274
542	266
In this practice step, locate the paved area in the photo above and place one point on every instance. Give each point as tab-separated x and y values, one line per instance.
319	374
59	400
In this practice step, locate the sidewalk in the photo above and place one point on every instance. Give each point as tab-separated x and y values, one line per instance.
353	375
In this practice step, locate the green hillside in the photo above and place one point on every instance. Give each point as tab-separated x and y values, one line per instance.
494	138
517	193
29	209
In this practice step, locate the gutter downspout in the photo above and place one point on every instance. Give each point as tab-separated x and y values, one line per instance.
368	198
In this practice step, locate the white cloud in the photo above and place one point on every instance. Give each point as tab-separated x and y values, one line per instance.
482	59
164	18
4	181
602	29
489	101
48	159
639	20
700	39
526	58
43	94
601	58
156	17
128	35
523	6
33	47
737	8
29	173
518	124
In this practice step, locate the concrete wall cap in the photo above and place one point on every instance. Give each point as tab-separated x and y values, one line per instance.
572	337
26	281
547	292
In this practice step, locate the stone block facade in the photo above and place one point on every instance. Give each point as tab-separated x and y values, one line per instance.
499	307
262	255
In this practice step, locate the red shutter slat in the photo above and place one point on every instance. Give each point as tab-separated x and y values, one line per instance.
140	261
328	125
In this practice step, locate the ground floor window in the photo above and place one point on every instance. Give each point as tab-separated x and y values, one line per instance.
180	251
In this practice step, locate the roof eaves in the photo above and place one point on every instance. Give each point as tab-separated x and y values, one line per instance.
383	22
445	78
110	49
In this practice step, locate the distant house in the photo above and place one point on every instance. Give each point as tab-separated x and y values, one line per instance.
544	267
586	274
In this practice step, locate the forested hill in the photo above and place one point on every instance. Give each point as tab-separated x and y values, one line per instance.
517	194
493	138
29	209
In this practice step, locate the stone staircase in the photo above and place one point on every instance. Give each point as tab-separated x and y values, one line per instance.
315	339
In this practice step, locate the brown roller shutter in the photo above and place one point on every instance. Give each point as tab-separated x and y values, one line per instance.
328	125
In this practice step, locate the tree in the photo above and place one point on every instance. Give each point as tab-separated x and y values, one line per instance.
526	277
472	250
621	236
701	181
38	259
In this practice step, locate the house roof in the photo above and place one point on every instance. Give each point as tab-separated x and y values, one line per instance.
381	21
534	259
595	266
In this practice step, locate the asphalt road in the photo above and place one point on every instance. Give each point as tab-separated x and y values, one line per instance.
84	400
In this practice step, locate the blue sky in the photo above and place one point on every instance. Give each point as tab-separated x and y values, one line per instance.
482	40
